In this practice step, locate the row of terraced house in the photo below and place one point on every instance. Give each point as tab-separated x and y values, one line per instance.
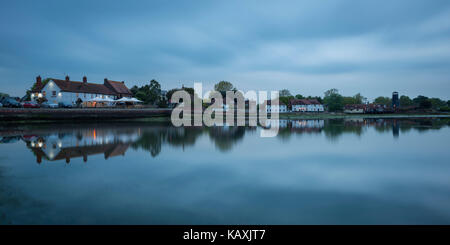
295	105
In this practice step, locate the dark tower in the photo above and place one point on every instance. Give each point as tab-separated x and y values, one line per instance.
395	100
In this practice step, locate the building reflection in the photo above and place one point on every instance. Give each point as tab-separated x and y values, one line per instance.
79	143
64	142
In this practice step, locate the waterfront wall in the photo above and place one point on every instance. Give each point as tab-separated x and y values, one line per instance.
11	114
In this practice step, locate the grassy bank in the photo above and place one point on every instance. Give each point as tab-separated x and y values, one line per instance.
343	115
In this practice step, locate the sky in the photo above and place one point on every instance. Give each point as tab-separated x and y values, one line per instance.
308	47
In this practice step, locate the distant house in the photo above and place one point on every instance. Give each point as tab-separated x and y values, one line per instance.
365	108
355	109
305	105
280	108
67	91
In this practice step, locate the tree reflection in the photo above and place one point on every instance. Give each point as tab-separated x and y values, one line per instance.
67	141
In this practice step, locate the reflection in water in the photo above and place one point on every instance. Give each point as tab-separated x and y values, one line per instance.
81	141
340	171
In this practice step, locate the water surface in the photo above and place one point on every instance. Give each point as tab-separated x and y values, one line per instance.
358	171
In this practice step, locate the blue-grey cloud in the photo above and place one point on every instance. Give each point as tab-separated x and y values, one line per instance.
370	47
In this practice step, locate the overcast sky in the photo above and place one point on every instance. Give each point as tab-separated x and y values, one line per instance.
372	47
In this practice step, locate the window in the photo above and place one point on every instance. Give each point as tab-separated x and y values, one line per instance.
53	93
84	95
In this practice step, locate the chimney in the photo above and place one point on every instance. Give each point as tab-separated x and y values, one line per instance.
84	79
123	82
67	78
106	80
38	82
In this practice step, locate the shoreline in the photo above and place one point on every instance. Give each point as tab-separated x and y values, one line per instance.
23	115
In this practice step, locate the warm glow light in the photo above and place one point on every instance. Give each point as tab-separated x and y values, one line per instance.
59	94
40	144
95	135
40	95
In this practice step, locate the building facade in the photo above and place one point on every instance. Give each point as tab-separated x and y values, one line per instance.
280	108
69	92
305	105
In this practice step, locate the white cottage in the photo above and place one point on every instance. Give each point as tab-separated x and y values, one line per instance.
306	105
69	92
280	108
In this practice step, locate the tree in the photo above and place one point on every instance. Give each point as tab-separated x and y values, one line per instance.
405	101
172	91
422	101
224	86
299	96
347	100
285	99
330	92
33	87
333	100
359	99
383	100
437	103
149	93
285	93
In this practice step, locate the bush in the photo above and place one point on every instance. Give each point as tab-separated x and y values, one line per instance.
445	108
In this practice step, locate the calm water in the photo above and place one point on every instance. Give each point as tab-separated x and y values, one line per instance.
314	172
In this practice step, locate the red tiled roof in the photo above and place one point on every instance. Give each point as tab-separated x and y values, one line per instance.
80	87
118	87
108	88
304	102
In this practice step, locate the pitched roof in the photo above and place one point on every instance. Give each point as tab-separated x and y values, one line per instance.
80	87
304	102
118	87
107	88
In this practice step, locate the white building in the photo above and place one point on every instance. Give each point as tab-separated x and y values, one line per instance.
69	92
305	105
280	108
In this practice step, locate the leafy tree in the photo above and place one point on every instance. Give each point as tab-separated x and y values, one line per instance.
359	99
347	100
422	101
299	96
172	91
437	103
333	100
448	102
405	101
285	99
149	93
383	100
224	86
285	93
33	87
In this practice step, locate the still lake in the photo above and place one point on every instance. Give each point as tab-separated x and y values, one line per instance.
341	171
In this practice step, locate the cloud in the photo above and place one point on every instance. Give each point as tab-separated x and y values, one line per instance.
301	45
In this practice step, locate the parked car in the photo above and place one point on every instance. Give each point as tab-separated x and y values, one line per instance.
65	105
49	105
30	104
10	102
